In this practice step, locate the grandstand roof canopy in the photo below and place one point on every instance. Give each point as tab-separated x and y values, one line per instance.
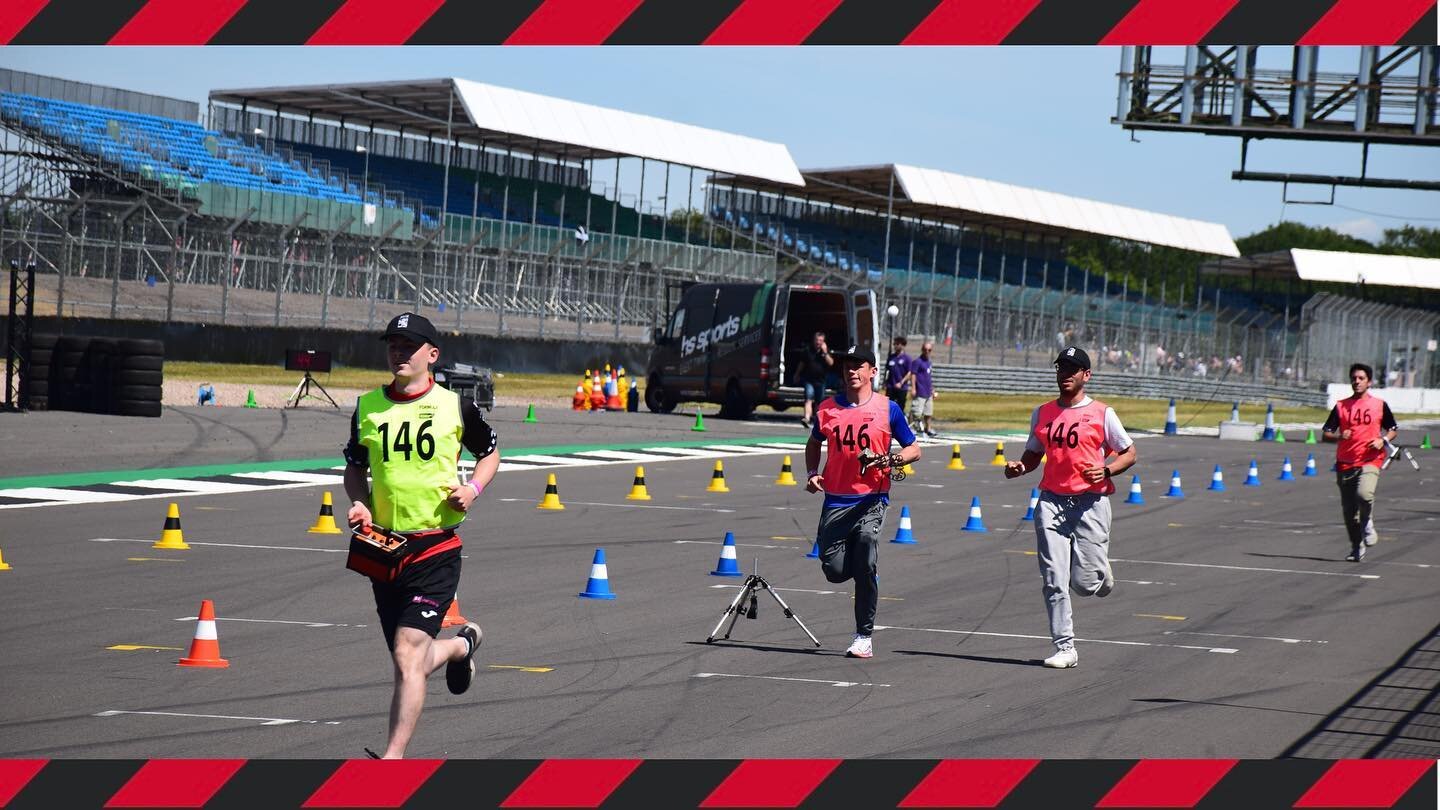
952	198
1334	266
503	118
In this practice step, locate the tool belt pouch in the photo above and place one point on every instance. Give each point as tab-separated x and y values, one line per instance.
378	553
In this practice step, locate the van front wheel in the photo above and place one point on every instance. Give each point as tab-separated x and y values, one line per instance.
656	399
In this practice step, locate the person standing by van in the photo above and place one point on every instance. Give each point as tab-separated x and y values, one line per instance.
815	367
897	372
857	421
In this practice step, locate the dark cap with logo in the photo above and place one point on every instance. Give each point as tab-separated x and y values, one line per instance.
857	353
416	327
1073	356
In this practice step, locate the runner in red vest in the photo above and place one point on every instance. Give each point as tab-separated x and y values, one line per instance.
1072	519
1361	425
854	421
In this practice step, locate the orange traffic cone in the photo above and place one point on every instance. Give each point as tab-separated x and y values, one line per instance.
580	401
205	648
597	394
452	614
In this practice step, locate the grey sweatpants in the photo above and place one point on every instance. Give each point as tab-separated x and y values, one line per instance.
1072	541
849	537
1357	500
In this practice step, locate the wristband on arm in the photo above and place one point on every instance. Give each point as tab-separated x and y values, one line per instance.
478	489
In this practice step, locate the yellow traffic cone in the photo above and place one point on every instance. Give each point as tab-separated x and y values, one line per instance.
552	496
956	462
787	476
717	479
999	459
908	470
4	566
325	523
637	489
171	537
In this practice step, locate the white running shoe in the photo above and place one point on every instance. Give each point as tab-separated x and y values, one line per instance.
860	647
1064	658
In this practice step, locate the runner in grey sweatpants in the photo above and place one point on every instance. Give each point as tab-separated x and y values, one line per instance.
1072	518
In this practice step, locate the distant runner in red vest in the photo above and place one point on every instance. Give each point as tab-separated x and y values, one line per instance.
854	421
1072	519
1361	425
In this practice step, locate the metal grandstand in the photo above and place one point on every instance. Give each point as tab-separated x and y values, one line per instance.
130	215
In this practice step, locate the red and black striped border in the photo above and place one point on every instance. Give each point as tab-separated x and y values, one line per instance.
717	22
678	784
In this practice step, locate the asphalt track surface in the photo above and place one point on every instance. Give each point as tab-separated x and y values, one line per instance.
1235	630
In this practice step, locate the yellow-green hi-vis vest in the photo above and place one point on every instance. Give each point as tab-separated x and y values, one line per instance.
414	449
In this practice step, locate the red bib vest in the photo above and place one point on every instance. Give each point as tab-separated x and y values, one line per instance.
1361	416
1074	439
847	431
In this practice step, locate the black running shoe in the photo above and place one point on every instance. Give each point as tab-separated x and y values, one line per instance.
459	674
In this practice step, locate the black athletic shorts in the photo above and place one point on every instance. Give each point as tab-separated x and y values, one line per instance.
420	596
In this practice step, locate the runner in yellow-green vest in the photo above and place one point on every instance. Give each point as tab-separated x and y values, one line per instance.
408	436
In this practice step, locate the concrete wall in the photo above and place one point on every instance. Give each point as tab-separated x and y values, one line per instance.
1400	400
213	343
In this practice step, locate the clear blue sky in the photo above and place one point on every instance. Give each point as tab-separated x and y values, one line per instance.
1030	116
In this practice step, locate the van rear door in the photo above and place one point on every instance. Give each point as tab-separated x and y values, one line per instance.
865	321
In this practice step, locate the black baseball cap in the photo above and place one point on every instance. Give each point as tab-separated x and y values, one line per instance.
416	327
1073	356
858	353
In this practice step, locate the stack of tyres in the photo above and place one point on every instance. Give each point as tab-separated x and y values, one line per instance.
42	351
96	375
137	378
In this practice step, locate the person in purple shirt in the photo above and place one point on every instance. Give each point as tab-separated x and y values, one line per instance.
922	388
897	373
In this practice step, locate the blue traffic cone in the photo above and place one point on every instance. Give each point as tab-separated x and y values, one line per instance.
1235	411
1034	502
814	552
904	534
1252	478
1217	480
598	586
1310	471
1175	491
1170	427
1334	466
728	565
1135	494
1286	474
976	523
1269	434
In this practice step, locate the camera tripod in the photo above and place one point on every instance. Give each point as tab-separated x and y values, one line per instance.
754	582
302	391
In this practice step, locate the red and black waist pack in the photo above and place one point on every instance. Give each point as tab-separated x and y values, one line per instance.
377	552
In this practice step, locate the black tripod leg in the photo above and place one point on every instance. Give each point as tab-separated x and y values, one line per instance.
790	613
733	612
